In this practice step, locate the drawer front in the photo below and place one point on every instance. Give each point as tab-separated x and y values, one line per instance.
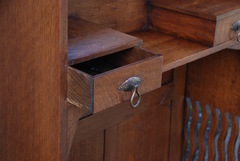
94	85
223	29
106	86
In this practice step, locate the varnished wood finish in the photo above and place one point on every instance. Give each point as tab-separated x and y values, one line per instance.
107	85
86	41
101	91
79	27
90	148
177	114
223	33
119	113
80	89
181	25
208	9
33	82
90	130
144	137
214	81
176	52
208	21
74	114
122	15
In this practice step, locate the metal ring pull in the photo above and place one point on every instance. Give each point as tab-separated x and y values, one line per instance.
132	98
129	85
236	27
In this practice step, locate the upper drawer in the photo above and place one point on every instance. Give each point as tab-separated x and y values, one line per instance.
207	21
95	83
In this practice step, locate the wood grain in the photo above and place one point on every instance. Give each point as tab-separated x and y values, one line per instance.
214	81
144	137
74	114
122	15
89	134
33	82
177	52
92	42
80	89
101	91
183	25
177	114
223	32
106	86
208	9
88	149
119	113
205	21
80	27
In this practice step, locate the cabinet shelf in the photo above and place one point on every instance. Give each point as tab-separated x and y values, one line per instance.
88	41
176	51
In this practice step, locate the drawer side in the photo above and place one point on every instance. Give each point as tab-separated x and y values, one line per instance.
80	89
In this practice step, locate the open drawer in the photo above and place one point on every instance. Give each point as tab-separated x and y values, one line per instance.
94	84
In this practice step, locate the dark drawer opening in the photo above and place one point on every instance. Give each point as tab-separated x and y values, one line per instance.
106	63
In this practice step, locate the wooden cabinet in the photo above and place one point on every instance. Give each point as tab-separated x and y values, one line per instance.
63	63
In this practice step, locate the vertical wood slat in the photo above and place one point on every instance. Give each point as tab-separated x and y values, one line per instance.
219	145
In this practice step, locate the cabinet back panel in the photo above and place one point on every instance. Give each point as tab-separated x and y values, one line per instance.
214	80
122	15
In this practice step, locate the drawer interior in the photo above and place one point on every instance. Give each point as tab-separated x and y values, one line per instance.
110	62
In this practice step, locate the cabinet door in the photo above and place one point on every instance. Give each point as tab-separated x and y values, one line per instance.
122	133
144	137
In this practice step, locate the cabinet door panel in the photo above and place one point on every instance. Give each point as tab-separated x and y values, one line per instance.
88	148
144	137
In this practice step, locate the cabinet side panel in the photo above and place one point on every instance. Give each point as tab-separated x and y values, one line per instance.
32	81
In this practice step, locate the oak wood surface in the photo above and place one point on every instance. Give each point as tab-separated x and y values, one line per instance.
122	15
144	137
208	9
119	113
33	81
90	148
223	32
177	114
92	138
80	89
101	91
74	114
191	19
177	52
107	85
182	25
87	41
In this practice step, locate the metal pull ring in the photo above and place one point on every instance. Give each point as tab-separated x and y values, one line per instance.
236	27
129	85
132	98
